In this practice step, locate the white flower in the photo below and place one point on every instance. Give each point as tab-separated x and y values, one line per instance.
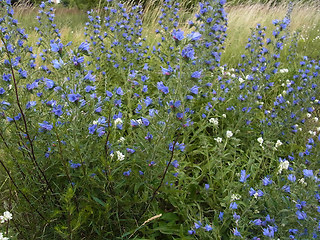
95	122
241	80
214	121
308	115
120	155
6	217
218	139
302	181
121	140
2	237
111	155
312	133
260	140
118	121
139	121
283	166
283	70
223	115
229	134
235	197
278	144
316	119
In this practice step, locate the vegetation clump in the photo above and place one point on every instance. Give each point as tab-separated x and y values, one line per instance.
114	138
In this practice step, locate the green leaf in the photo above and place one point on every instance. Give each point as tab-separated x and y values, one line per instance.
99	201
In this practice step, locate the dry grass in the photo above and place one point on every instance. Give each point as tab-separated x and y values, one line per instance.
304	17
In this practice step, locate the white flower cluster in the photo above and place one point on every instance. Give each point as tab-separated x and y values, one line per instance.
2	237
229	134
235	197
6	217
214	121
283	166
283	70
278	144
118	121
119	154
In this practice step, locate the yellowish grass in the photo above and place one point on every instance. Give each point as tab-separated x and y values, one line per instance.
242	18
305	18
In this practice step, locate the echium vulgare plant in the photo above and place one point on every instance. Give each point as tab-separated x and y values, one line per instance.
118	139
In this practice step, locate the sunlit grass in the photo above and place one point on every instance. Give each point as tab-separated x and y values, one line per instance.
305	18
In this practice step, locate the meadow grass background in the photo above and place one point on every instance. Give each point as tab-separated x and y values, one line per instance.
242	17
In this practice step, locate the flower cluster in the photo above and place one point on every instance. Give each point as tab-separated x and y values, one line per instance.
124	127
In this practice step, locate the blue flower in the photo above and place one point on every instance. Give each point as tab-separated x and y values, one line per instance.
307	173
175	164
286	188
233	205
257	222
196	75
197	224
162	88
74	97
269	231
45	126
6	77
134	123
148	101
84	46
188	52
221	216
266	181
208	228
130	150
50	84
57	63
149	136
145	121
301	215
23	73
243	176
92	128
90	77
119	91
167	71
56	47
236	232
291	178
74	165
194	89
177	35
31	104
194	36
